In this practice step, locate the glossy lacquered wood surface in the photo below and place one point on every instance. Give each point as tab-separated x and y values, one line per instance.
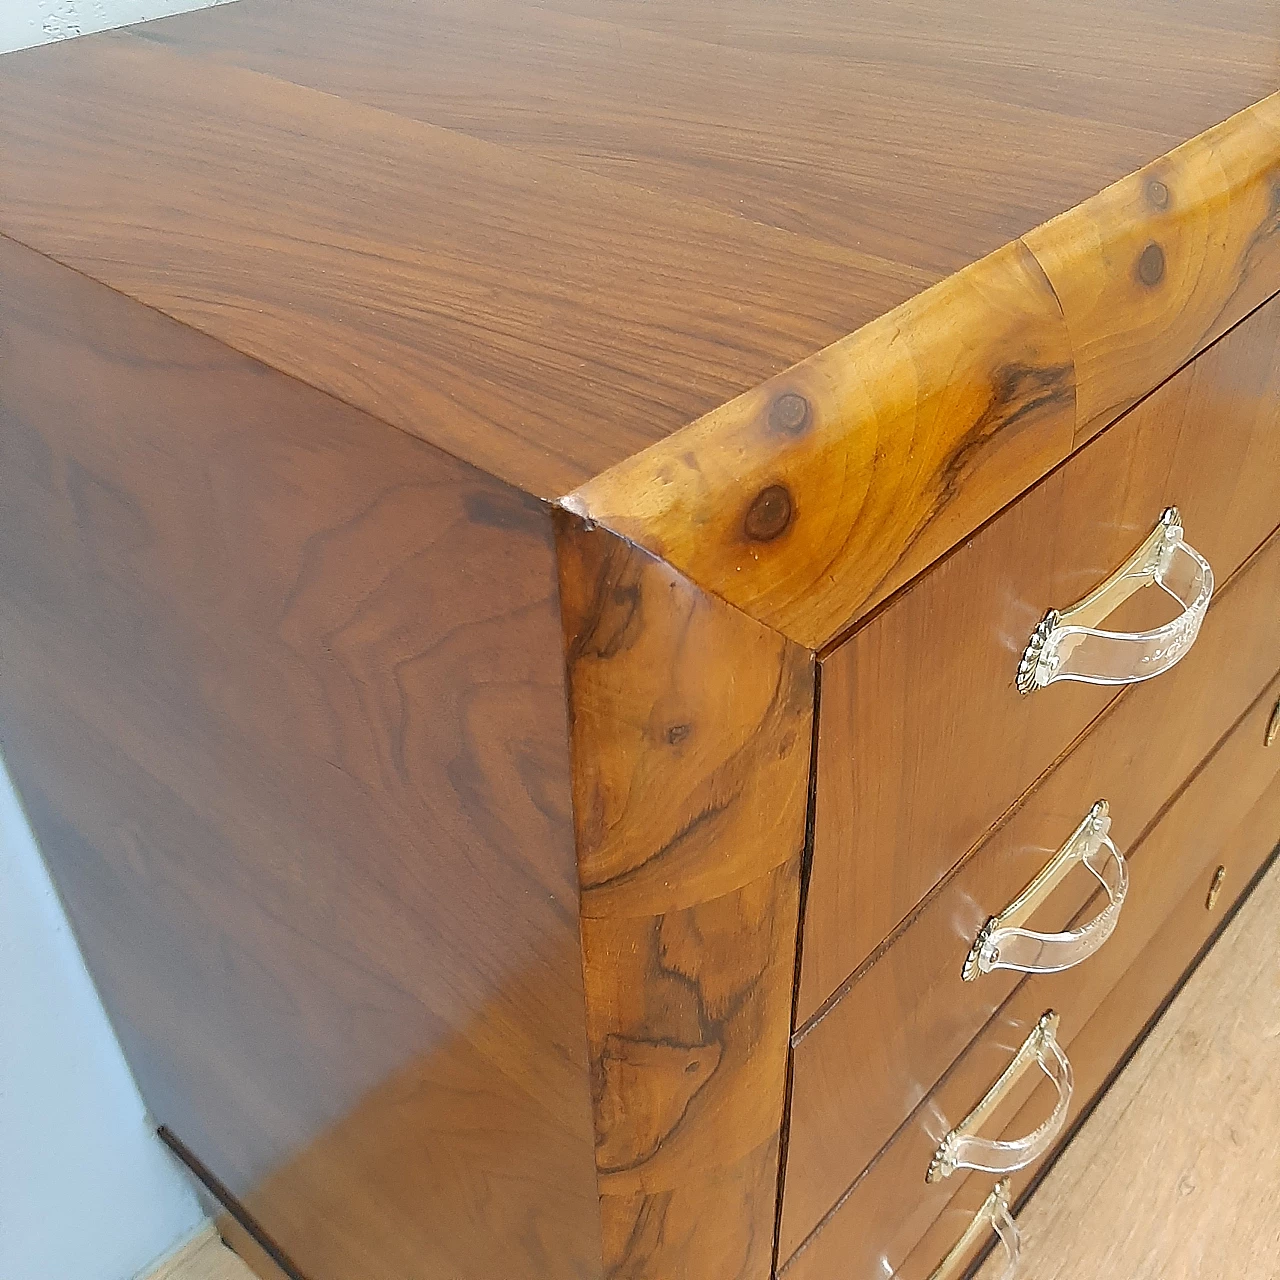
1123	1018
809	500
1173	1170
925	740
1154	268
287	715
822	490
533	243
859	124
1226	813
849	1093
534	320
690	788
609	254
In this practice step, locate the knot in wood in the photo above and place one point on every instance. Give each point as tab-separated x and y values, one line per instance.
789	414
769	515
1151	265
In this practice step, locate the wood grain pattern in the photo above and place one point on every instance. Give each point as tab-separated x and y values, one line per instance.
1156	267
286	678
287	714
1123	1017
536	321
850	1093
1194	1118
690	788
1227	811
1159	63
870	126
550	236
815	495
925	739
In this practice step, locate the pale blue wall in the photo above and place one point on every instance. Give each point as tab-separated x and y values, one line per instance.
87	1192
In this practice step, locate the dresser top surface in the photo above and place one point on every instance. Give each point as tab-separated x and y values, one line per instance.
546	235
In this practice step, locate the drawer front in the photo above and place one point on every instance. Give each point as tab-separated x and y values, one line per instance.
1229	814
1122	1016
922	1011
924	738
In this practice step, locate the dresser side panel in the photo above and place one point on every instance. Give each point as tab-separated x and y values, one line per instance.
282	692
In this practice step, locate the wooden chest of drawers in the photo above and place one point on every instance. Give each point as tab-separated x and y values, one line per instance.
578	580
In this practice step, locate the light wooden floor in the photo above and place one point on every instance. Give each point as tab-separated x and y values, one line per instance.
205	1258
1176	1176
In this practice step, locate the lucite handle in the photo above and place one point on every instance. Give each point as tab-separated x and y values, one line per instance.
1002	943
995	1215
1069	644
962	1148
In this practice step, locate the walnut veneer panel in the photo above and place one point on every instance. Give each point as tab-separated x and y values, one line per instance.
690	789
505	300
1227	812
536	321
1160	264
872	124
830	485
925	740
808	501
849	1093
1122	1019
287	714
741	291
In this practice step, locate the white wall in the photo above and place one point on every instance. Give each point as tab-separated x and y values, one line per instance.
87	1192
27	22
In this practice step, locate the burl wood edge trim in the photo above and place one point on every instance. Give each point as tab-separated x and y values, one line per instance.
1157	266
811	498
820	491
691	734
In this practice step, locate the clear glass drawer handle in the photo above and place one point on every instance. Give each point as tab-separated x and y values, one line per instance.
1070	645
1003	943
995	1215
963	1149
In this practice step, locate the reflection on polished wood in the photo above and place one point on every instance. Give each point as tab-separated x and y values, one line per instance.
924	736
690	791
1174	1173
440	441
1228	814
290	728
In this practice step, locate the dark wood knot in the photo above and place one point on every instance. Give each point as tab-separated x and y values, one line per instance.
1151	265
1157	194
789	414
769	515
